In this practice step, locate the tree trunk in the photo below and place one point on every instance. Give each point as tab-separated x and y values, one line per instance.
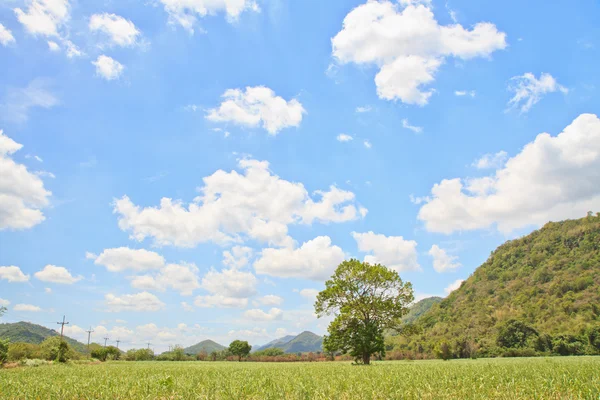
366	358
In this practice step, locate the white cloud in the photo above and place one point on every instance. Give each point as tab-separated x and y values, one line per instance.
48	290
230	283
72	49
271	300
26	307
179	277
237	256
342	137
310	294
408	45
4	303
186	306
392	251
233	207
186	12
22	194
552	178
453	286
123	258
13	274
53	46
315	259
407	125
260	315
461	93
363	109
529	90
494	161
6	36
44	17
18	102
257	106
108	68
442	261
54	274
367	144
220	301
143	301
120	31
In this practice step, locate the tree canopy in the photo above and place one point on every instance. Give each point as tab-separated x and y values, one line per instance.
366	299
240	349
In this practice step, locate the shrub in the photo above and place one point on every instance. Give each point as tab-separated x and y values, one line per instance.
3	351
55	348
20	351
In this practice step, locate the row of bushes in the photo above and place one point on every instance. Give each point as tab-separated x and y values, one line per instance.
51	349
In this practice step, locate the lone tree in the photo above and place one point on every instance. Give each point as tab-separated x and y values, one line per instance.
240	349
367	299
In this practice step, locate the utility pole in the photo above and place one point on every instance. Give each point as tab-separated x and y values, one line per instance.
105	340
118	341
149	346
89	333
63	323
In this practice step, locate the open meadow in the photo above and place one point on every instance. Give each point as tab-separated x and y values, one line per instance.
517	378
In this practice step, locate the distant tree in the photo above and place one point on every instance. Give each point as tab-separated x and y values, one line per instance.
368	299
3	351
201	356
106	353
240	349
443	351
514	334
270	352
213	355
55	349
594	337
178	353
21	351
2	311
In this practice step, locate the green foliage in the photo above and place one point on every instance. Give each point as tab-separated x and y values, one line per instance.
139	355
208	346
2	310
106	353
594	337
240	349
3	351
55	349
367	299
26	332
269	352
514	334
22	351
443	351
419	309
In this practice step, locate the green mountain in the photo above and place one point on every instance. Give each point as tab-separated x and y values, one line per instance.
420	308
303	343
35	334
208	346
540	292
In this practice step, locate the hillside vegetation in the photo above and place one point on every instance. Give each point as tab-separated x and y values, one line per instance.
206	346
25	332
302	343
539	294
420	308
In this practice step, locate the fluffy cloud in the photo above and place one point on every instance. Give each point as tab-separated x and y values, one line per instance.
186	306
54	274
407	125
552	178
44	17
13	274
367	144
22	193
186	12
342	137
310	294
26	307
408	45
233	207
220	301
257	106
19	101
108	68
271	300
123	258
120	32
363	109
453	286
442	262
392	251
230	283
6	36
260	315
529	90
315	259
237	256
461	93
143	301
491	160
4	303
180	277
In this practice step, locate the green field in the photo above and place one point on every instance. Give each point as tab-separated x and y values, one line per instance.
526	378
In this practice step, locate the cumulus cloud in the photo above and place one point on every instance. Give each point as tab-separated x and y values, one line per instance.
123	258
271	300
4	303
179	277
230	283
22	193
13	274
143	301
237	256
310	294
315	259
108	68
407	125
408	46
529	90
257	106
18	102
453	286
442	261
119	31
6	36
55	274
494	161
342	137
260	315
552	178
186	12
220	301
233	207
27	308
392	251
363	109
186	306
44	17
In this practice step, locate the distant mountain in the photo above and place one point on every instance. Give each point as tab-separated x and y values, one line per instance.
420	308
303	343
35	334
208	346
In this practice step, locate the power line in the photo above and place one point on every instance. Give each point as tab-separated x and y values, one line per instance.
118	341
89	334
105	340
149	346
63	323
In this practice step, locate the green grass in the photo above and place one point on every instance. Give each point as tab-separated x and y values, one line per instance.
528	378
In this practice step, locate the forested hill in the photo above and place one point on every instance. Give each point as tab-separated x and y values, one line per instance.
207	346
420	308
26	332
548	280
303	343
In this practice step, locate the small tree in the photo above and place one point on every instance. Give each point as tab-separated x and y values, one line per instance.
3	351
55	349
514	334
2	310
178	353
240	349
444	352
367	299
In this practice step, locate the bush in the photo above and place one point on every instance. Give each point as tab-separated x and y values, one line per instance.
106	353
444	352
55	349
20	351
3	351
514	334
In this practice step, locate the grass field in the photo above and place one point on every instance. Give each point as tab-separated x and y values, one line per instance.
528	378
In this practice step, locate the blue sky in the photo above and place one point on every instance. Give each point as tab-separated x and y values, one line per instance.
288	135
